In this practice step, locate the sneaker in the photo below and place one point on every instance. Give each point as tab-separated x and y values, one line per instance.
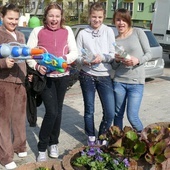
53	151
91	141
102	142
22	154
11	165
41	157
105	142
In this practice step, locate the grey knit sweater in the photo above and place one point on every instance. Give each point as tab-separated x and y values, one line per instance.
136	45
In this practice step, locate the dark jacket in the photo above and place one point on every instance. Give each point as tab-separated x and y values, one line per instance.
34	90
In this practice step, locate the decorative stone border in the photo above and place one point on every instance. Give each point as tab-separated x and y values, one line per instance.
55	164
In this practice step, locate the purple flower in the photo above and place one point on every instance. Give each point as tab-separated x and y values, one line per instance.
91	152
99	158
126	162
99	150
116	161
82	153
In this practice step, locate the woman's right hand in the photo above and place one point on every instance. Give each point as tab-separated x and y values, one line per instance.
118	58
9	62
42	69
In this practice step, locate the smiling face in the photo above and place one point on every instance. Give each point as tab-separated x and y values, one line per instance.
96	19
121	25
53	19
122	20
10	20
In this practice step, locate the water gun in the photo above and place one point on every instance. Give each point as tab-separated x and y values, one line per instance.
19	51
52	63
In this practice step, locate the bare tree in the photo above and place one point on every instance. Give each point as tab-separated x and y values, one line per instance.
21	4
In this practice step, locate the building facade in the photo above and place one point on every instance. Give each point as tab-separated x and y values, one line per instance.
141	10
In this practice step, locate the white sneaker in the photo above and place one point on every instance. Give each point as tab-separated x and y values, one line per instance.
22	154
11	165
41	157
53	151
91	141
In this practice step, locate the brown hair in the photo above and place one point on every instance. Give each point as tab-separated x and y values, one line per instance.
123	14
97	7
53	5
9	7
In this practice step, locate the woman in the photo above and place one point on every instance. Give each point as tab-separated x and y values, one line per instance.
96	53
12	93
58	40
129	75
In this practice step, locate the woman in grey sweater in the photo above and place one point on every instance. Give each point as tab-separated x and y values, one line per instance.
129	76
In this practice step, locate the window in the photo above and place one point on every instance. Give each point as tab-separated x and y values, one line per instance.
81	6
112	6
40	5
140	6
69	5
152	7
33	5
128	6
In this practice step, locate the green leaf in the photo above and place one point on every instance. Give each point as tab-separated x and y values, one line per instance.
158	148
120	150
140	147
132	135
159	158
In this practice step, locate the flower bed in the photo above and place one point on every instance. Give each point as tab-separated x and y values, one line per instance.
148	151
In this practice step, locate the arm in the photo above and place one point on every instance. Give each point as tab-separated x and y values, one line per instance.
145	46
80	59
73	52
111	39
32	43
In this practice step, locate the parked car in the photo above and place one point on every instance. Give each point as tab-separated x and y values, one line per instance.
73	69
25	30
154	67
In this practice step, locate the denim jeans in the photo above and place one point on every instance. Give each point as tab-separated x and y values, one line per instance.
53	97
130	96
103	85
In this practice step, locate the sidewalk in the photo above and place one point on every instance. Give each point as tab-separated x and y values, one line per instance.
155	108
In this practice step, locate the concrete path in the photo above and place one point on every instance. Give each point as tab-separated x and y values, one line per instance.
155	108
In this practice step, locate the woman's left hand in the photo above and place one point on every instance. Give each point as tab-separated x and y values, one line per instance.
131	62
30	77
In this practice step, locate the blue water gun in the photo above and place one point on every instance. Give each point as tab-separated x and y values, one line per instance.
52	63
19	51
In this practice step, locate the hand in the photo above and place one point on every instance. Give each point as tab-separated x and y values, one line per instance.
131	62
42	69
30	77
97	60
118	58
85	62
9	62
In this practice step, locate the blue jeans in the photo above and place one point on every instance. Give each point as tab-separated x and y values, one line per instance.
130	95
103	85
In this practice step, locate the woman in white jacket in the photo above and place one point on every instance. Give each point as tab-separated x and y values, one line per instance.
58	40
